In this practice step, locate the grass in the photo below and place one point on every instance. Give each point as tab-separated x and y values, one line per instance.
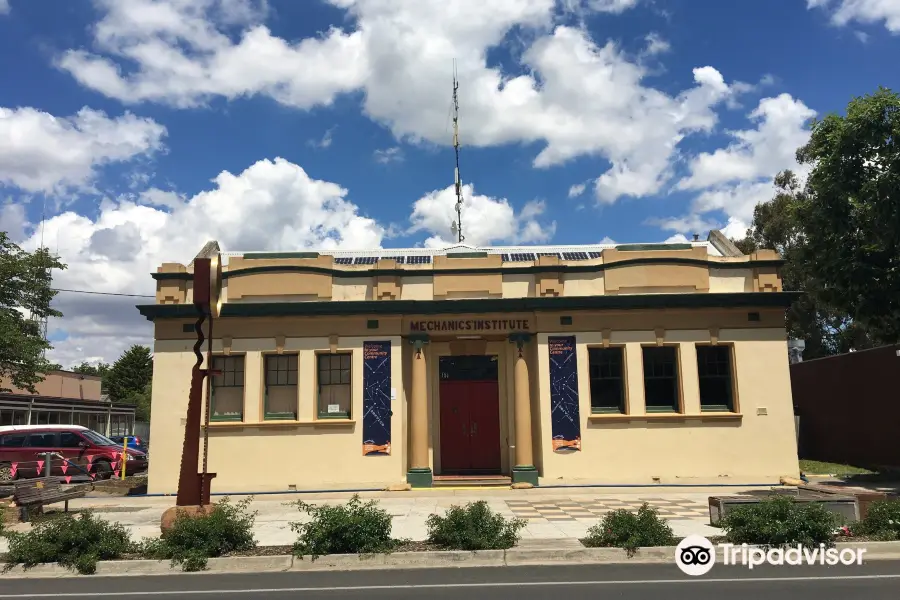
816	467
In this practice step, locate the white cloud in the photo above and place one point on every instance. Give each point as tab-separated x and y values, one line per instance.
389	155
13	220
577	98
868	12
759	152
607	240
577	190
656	45
325	141
486	220
271	205
4	7
43	153
735	179
676	239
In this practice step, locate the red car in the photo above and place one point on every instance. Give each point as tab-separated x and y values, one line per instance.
78	451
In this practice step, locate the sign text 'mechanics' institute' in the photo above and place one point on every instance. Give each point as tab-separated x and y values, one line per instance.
470	325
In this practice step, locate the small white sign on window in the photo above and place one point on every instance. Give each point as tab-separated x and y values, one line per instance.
334	408
393	393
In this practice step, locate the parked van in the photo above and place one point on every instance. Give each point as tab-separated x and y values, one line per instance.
23	451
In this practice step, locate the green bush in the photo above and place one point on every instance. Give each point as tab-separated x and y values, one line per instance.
630	530
354	528
778	521
882	522
193	540
473	527
76	543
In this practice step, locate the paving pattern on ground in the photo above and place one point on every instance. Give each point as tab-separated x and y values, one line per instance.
571	510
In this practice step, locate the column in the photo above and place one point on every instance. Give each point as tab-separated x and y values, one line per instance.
419	474
524	470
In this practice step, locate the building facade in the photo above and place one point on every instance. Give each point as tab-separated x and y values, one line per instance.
617	364
66	398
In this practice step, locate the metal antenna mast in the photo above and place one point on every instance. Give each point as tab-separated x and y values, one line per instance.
457	224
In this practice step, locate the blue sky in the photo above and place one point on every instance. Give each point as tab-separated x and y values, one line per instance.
142	128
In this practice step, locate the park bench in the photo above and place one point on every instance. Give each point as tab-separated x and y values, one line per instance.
33	494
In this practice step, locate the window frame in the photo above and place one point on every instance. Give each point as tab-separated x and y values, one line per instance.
212	389
678	407
275	416
320	414
624	404
733	407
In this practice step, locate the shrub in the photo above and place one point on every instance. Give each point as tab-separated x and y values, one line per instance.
76	543
473	527
353	528
882	522
630	530
193	539
779	521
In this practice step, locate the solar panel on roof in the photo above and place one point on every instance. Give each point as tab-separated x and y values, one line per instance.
574	255
365	260
594	254
418	260
522	257
504	257
343	260
399	259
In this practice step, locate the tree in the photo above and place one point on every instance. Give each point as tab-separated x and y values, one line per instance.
141	400
98	370
850	213
25	297
129	375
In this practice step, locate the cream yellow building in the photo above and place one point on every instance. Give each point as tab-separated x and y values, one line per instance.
604	364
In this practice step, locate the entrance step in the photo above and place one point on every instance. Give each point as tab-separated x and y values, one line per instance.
471	481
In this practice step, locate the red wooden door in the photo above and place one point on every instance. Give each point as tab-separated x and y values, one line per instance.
484	418
455	443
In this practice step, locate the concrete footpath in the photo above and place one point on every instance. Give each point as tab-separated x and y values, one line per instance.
560	514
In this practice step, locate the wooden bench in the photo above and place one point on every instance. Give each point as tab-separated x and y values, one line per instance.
32	495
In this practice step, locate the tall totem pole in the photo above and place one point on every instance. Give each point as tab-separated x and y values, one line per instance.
193	487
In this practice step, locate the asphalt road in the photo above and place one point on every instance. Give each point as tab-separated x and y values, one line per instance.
872	581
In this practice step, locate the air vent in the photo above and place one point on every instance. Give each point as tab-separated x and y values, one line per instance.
418	260
399	259
565	320
574	255
753	316
548	253
467	255
372	324
343	260
187	328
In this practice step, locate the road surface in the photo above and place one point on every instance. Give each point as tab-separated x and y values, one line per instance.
872	581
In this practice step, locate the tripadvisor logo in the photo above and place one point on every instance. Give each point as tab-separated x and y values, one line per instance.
695	555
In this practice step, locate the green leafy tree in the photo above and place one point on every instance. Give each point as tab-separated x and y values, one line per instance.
130	375
777	225
25	297
141	400
98	370
850	213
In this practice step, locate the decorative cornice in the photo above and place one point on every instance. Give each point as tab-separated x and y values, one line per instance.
480	305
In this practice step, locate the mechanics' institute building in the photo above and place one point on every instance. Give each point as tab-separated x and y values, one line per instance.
617	364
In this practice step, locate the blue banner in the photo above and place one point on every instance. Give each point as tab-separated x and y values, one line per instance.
565	422
376	426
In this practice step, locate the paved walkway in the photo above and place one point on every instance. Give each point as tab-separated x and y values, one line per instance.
551	515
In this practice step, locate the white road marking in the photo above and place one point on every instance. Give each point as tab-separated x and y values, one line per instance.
434	586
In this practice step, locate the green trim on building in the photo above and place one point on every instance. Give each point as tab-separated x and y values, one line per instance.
467	255
479	305
650	247
419	478
509	270
525	474
274	255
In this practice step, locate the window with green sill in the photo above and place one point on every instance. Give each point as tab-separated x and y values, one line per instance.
333	373
281	387
660	379
716	380
606	370
227	387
